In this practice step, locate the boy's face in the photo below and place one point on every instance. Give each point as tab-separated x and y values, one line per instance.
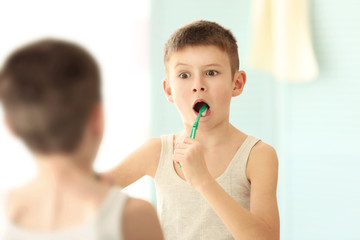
202	74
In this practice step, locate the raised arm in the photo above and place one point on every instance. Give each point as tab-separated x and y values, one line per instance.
262	221
143	161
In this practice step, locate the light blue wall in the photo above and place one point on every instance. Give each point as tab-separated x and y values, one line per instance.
314	126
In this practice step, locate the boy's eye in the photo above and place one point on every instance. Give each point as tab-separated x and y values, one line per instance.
211	73
184	75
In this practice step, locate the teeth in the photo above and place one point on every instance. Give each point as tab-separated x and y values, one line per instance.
204	113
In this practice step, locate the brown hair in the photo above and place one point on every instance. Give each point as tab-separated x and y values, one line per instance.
203	33
48	90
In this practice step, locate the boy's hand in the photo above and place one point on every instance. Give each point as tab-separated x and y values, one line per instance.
190	154
105	178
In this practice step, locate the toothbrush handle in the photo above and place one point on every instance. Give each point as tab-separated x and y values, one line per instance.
193	131
195	126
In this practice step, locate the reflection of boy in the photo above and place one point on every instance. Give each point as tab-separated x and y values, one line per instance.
226	187
50	91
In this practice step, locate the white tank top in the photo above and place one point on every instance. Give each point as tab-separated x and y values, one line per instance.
183	212
105	225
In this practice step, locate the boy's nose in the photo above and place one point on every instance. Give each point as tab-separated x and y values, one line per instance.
197	89
199	86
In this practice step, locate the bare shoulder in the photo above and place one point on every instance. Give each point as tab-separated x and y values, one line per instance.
136	206
153	144
19	199
263	149
262	159
150	148
14	202
140	220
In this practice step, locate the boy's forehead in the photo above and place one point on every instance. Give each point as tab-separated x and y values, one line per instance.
203	54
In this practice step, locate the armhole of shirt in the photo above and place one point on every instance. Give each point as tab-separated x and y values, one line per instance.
250	142
166	141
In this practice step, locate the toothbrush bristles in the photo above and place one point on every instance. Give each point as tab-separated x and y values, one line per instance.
204	113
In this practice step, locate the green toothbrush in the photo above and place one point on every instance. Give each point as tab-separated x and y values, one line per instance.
196	123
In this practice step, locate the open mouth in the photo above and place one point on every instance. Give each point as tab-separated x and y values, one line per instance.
198	105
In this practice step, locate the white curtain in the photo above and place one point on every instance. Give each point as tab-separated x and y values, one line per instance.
281	41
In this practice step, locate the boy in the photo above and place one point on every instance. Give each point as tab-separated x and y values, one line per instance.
204	184
50	92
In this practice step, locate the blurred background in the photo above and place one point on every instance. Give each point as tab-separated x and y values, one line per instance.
117	34
313	122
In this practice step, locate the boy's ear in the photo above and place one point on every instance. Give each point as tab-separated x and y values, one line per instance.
97	120
238	83
167	90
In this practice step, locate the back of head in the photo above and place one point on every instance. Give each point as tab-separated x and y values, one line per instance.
48	90
203	33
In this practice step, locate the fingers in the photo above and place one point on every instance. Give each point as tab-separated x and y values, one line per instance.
179	154
182	150
184	143
188	140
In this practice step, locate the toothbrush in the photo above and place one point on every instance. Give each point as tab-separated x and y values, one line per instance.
202	112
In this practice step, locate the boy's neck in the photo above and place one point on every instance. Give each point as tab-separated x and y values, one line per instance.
62	169
215	136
